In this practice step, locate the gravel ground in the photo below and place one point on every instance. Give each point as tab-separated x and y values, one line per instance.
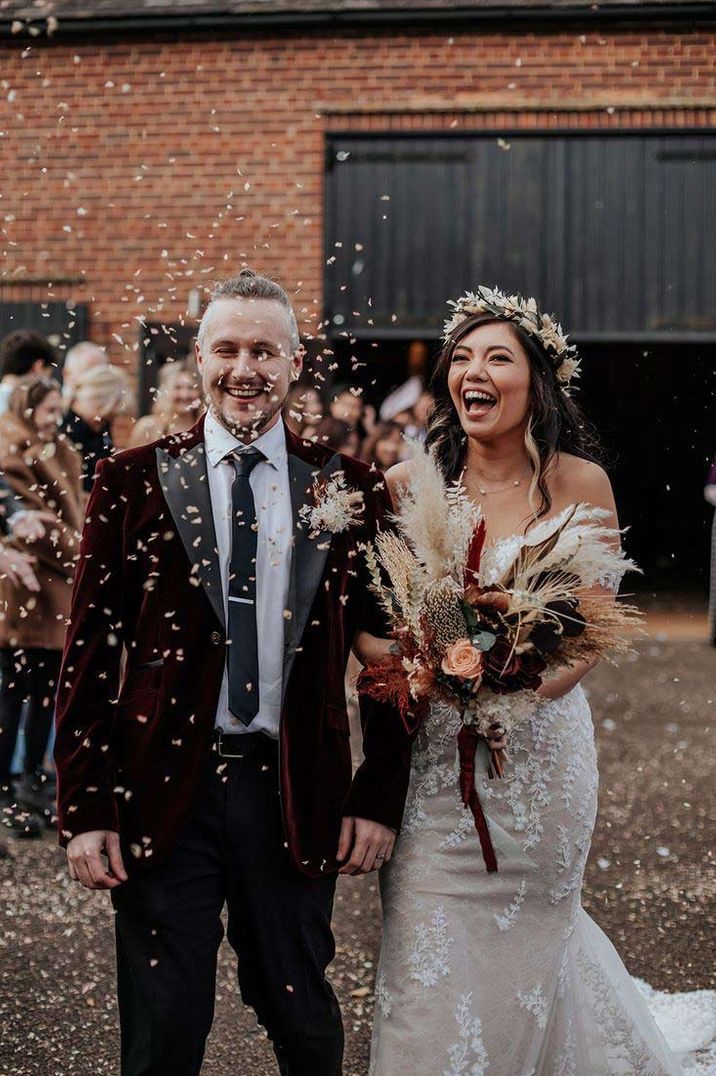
649	885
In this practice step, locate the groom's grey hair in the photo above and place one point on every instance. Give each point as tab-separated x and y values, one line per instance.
250	285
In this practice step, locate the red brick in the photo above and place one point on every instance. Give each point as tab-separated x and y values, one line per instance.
266	92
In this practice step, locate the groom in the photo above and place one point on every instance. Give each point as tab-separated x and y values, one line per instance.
214	767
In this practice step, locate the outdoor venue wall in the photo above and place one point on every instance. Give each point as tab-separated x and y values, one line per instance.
135	170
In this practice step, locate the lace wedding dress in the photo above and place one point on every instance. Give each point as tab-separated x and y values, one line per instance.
505	974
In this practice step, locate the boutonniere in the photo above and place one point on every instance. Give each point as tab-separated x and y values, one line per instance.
335	506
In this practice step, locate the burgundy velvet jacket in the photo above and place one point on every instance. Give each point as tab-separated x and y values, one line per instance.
133	737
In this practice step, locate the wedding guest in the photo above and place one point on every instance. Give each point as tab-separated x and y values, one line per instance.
16	568
15	564
398	405
303	411
79	360
337	435
710	495
99	395
176	407
23	353
384	447
44	470
314	411
347	405
17	521
410	406
421	415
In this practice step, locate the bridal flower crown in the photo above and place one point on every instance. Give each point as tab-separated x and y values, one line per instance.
523	312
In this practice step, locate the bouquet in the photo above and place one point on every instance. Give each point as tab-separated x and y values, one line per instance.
483	640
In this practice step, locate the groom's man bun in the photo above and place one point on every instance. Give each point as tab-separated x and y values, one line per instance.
248	284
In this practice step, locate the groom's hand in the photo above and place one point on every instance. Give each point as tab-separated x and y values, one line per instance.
370	845
84	860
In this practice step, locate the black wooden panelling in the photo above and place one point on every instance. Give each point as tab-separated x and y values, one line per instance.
63	325
615	233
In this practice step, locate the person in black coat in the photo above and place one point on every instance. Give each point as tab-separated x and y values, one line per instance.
710	495
98	397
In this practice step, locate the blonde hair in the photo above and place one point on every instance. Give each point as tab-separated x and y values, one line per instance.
538	468
168	376
109	389
79	360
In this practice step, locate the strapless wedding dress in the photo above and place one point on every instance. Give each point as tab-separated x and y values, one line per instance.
505	974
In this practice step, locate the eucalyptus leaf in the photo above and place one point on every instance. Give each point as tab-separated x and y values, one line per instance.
484	640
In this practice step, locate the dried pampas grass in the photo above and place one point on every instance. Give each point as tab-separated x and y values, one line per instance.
612	627
437	520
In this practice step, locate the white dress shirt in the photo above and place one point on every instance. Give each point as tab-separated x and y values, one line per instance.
272	496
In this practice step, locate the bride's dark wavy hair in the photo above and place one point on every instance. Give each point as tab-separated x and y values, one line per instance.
555	424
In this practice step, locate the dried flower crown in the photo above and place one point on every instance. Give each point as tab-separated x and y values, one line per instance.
524	313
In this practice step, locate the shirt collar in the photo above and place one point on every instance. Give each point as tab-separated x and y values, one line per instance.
220	442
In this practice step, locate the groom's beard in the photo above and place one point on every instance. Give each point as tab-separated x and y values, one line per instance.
253	416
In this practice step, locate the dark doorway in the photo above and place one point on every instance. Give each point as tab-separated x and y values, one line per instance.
160	342
377	366
655	408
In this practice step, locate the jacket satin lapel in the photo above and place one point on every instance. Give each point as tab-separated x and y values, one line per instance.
309	554
185	486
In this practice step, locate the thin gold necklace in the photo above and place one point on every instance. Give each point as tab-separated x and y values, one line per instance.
516	482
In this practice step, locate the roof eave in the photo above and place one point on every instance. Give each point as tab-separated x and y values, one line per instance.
695	14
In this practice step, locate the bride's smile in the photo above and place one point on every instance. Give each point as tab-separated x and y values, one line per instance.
489	381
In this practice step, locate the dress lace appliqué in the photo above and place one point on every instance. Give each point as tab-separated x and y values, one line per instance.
504	974
468	1056
429	955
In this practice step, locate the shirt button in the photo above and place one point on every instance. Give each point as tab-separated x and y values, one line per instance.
215	637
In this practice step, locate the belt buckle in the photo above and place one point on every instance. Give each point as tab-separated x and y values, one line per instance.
219	745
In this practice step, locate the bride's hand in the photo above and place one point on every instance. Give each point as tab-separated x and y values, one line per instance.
370	650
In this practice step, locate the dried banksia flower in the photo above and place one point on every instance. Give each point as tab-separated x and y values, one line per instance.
442	618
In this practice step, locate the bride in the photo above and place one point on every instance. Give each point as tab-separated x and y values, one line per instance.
504	973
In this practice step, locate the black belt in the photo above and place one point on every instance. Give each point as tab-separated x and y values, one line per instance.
245	745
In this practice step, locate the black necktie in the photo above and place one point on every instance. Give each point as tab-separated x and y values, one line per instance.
243	664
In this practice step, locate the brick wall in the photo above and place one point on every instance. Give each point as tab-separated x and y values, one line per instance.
135	171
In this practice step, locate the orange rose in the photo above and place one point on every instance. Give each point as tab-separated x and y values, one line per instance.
464	660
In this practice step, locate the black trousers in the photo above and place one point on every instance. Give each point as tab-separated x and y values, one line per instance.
168	930
30	675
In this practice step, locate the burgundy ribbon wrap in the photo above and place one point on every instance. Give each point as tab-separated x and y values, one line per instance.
467	741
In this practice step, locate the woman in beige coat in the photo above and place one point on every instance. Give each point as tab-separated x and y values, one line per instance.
177	406
44	471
